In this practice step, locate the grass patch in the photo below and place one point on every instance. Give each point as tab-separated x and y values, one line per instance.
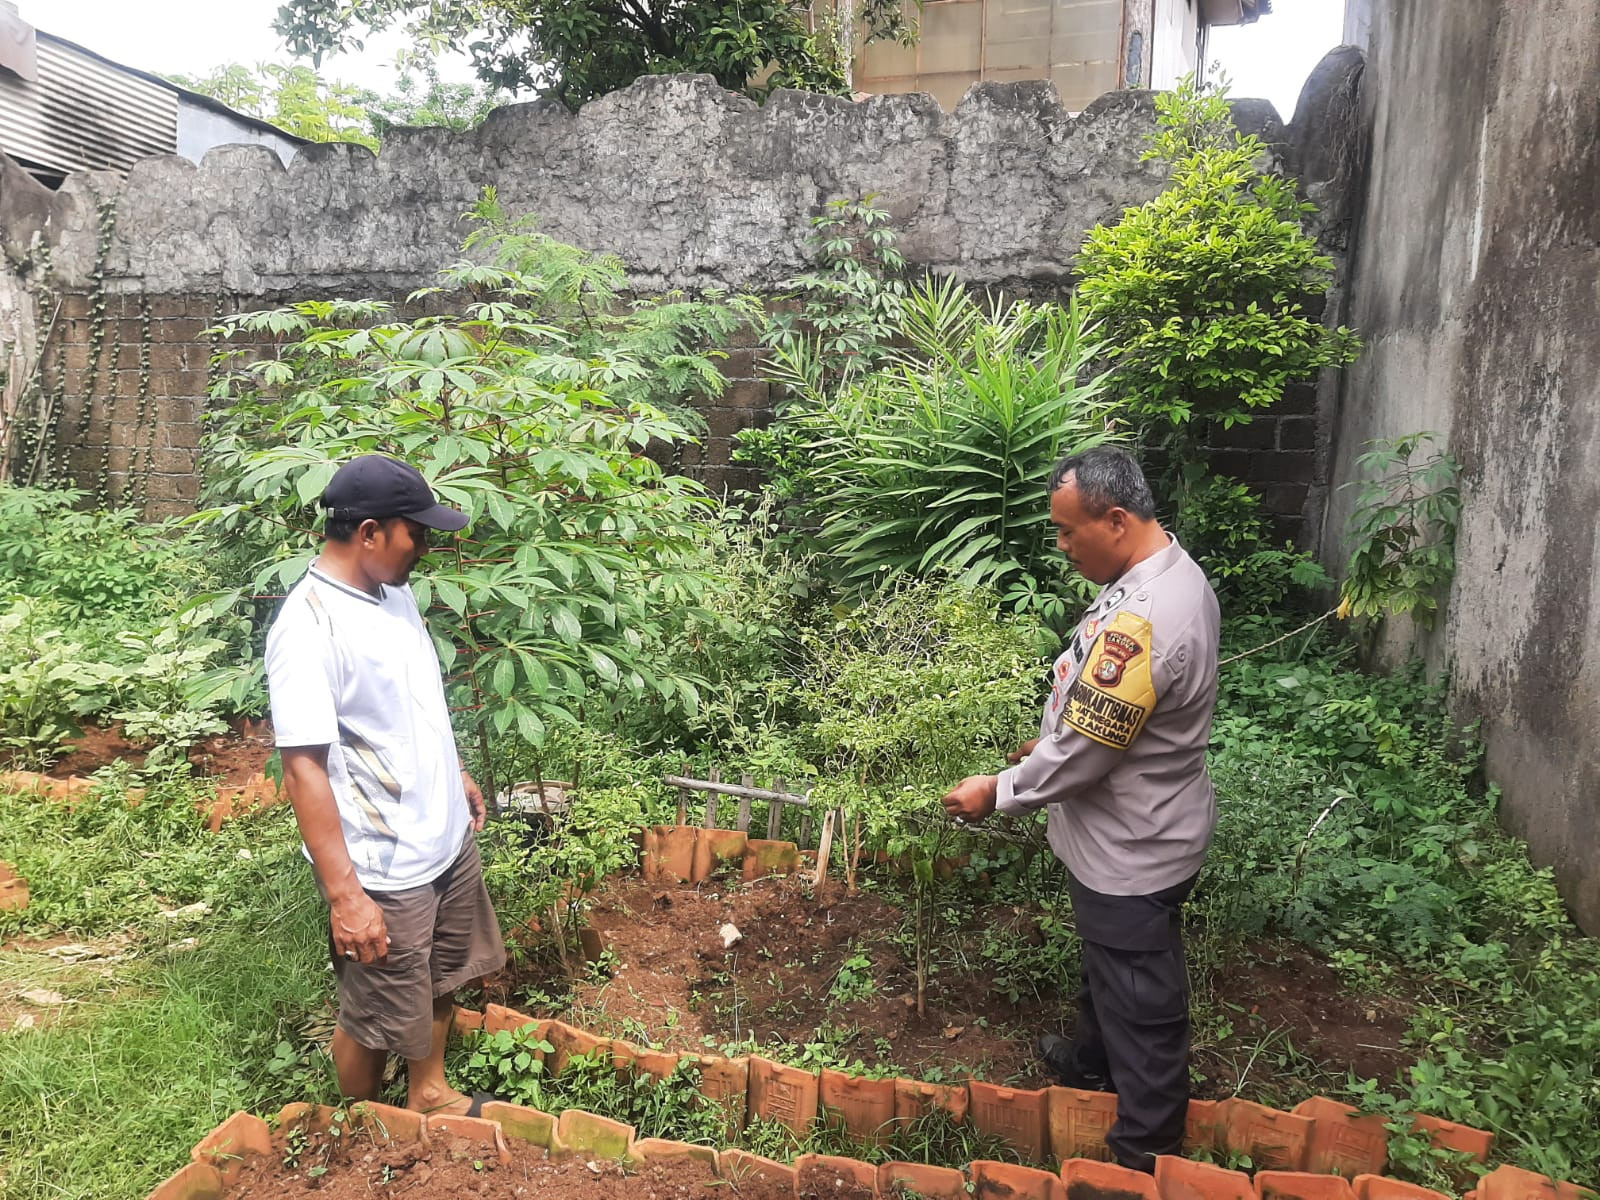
163	1046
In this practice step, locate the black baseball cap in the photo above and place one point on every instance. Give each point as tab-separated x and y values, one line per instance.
378	486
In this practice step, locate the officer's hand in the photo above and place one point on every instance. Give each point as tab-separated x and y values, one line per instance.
972	800
475	802
1022	751
359	932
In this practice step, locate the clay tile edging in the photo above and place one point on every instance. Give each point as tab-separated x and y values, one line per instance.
669	853
1343	1141
1380	1187
636	1060
466	1020
865	1107
1514	1183
1302	1185
736	1166
1448	1135
787	1095
1203	1126
477	1130
913	1099
588	1133
663	1150
1079	1122
718	849
1090	1178
570	1042
1020	1116
1273	1140
13	888
726	1081
763	857
197	1181
497	1018
225	1147
529	1125
1184	1179
1003	1181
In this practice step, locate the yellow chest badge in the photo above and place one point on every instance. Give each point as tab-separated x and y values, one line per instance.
1114	695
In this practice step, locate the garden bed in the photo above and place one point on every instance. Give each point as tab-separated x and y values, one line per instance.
512	1152
817	965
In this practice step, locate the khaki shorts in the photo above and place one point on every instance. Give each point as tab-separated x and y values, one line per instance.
442	936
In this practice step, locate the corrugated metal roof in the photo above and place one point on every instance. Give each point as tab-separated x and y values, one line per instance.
85	113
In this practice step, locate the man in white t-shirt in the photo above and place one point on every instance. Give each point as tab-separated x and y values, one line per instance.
369	761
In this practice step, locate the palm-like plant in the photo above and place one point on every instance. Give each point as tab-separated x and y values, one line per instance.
939	461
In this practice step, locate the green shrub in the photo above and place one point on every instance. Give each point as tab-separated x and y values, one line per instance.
1402	532
95	563
1202	293
938	462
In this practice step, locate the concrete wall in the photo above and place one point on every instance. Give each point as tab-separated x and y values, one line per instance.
1477	284
692	186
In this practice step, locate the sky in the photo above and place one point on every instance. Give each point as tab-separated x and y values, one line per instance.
1271	58
189	37
1268	59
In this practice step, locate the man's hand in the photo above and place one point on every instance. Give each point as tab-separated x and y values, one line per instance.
359	933
1022	751
972	800
475	802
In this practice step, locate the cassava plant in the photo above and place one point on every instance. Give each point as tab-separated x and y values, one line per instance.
531	409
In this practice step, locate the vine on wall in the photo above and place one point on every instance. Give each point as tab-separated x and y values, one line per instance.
98	341
138	482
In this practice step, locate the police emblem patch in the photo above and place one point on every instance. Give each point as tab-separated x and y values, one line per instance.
1111	702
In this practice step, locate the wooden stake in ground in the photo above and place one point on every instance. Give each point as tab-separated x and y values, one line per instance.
825	846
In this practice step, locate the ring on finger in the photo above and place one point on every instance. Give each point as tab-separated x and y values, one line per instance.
349	953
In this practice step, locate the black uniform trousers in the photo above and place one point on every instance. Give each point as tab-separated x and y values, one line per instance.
1133	1016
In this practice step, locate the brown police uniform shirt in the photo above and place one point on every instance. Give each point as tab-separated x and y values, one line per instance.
1121	759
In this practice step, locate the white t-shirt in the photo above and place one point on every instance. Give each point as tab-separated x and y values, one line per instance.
358	674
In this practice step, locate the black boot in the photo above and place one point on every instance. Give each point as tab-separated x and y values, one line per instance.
1058	1056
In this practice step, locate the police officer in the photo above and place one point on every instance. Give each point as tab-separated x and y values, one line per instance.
1120	761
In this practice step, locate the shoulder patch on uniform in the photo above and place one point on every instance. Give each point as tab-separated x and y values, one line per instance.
1114	696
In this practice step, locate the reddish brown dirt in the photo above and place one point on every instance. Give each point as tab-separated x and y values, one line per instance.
232	758
675	980
456	1167
1281	989
94	748
674	984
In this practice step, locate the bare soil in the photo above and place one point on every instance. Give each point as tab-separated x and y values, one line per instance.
1281	990
450	1168
672	982
231	758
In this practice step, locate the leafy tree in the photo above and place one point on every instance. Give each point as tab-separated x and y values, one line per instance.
1202	293
574	50
295	99
422	99
299	101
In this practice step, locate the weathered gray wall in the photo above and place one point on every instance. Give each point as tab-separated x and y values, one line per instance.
1477	285
692	186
